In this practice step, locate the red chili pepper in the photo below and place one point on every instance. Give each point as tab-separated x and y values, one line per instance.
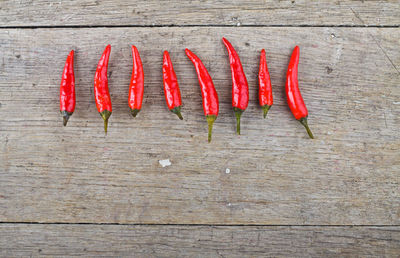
293	94
67	89
171	87
208	92
101	93
137	83
240	88
265	88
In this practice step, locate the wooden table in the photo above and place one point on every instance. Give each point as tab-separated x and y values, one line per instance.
74	191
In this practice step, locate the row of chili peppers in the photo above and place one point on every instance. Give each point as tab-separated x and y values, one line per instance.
240	88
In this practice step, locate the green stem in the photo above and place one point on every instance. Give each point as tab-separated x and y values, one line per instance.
177	111
105	115
303	121
66	116
134	112
210	121
238	114
265	109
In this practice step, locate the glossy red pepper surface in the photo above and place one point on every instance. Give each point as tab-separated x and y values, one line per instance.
67	89
208	92
240	87
101	93
293	95
265	88
171	86
137	83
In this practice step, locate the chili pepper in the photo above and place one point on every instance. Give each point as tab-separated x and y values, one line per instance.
265	88
208	92
101	93
67	89
240	88
171	87
136	85
293	94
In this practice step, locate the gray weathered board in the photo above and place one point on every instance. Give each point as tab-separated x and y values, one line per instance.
197	241
200	12
348	175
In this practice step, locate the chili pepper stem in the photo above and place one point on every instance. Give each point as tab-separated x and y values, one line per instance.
134	112
66	116
303	121
105	115
177	111
238	114
265	109
210	121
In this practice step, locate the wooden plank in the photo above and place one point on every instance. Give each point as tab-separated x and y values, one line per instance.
348	175
194	241
210	12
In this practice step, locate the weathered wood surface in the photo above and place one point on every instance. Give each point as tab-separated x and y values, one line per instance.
210	12
348	175
197	241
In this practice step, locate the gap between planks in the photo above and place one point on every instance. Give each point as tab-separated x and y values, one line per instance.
196	225
199	25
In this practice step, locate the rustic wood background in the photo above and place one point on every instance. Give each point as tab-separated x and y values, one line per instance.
73	191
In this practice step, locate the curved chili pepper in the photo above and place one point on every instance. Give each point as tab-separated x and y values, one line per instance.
265	88
67	89
171	87
137	83
101	93
293	94
208	92
240	88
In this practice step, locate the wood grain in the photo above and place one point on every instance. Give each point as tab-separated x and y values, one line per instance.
349	79
18	240
209	12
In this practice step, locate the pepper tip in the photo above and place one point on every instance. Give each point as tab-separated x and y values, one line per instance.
296	49
105	126
210	121
177	111
134	112
105	115
65	120
238	114
265	110
304	122
66	116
